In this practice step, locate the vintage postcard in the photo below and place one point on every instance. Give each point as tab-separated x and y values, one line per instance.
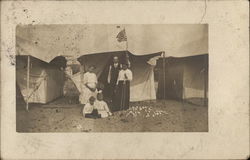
124	80
142	89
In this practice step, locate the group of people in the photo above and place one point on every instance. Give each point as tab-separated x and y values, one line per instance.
96	108
118	90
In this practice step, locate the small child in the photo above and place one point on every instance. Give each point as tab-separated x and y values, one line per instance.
102	106
89	110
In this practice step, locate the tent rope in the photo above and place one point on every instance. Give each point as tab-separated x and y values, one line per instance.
36	87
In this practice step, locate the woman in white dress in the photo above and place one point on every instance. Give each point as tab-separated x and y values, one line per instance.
88	87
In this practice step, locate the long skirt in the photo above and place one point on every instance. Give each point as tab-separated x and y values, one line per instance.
122	96
112	94
86	94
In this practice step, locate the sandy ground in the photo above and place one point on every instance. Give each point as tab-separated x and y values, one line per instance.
64	115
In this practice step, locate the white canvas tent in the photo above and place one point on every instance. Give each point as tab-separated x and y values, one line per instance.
186	79
46	42
45	80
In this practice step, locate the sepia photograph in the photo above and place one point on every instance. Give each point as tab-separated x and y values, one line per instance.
124	79
112	78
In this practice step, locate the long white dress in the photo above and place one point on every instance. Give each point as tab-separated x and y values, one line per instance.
91	80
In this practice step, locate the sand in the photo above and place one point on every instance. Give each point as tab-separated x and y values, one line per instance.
64	115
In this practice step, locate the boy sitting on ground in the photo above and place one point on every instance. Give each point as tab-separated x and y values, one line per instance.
102	106
89	110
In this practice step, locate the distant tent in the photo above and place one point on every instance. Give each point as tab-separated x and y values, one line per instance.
45	82
142	85
186	79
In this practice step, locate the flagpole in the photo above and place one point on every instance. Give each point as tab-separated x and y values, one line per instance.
164	75
126	39
127	45
121	37
127	48
127	59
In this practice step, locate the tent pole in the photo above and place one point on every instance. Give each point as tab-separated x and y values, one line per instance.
82	71
127	60
205	81
164	76
126	40
127	45
126	50
28	82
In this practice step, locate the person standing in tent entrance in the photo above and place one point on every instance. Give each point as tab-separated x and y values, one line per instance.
123	88
88	86
114	69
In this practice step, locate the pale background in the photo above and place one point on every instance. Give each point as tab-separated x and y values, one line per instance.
228	135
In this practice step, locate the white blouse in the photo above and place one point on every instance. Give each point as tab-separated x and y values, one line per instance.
90	79
122	77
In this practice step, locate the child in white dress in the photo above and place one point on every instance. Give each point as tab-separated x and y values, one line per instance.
90	110
102	106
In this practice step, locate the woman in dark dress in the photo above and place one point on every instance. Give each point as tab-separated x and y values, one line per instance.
123	88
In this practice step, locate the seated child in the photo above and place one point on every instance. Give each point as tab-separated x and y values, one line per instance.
89	110
102	106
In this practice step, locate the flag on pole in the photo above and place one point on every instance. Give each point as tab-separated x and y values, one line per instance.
121	36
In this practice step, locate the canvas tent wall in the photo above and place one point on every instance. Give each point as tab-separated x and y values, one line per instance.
186	79
45	80
142	85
